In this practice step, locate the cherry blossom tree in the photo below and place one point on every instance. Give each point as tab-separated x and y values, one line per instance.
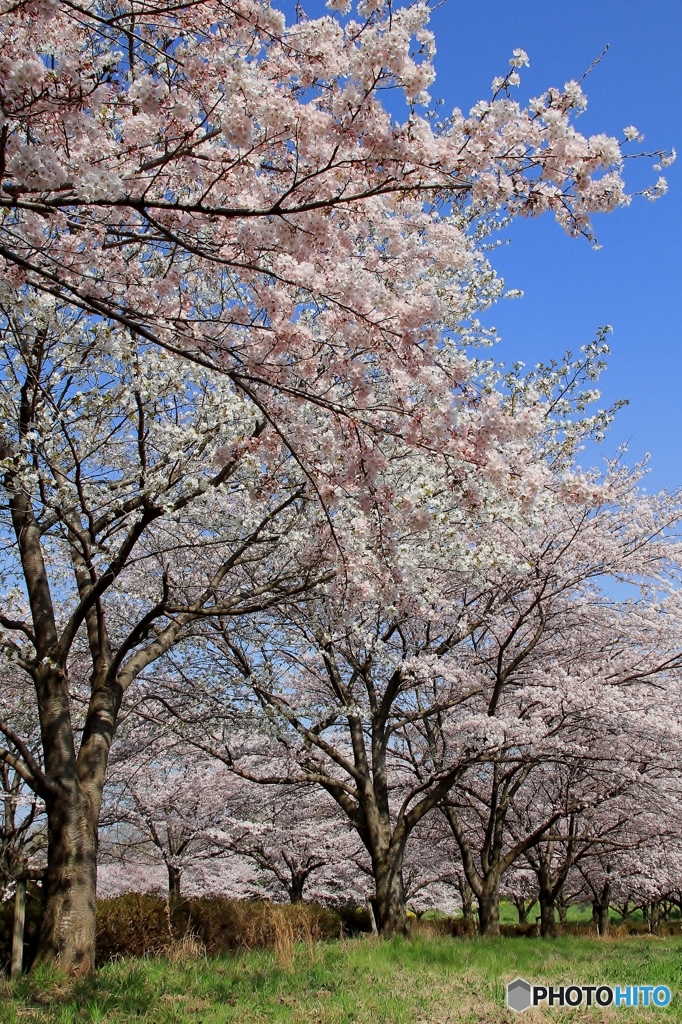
560	666
132	508
298	840
165	802
162	804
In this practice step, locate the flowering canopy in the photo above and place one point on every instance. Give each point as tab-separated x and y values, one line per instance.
233	188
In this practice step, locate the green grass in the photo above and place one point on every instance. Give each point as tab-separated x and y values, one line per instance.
575	915
360	981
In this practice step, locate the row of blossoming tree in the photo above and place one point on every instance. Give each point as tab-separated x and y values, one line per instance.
266	520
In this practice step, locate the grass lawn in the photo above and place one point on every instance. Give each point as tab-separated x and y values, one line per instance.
359	981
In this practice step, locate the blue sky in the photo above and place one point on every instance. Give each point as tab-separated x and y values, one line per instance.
633	282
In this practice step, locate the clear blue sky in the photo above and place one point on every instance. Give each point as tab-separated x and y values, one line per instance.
634	282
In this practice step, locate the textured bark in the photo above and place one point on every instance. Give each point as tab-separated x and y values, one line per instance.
547	918
467	900
489	911
67	936
174	878
390	900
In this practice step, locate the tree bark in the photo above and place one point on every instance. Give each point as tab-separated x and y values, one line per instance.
522	909
67	935
296	884
547	918
489	910
600	916
390	898
174	877
391	906
467	900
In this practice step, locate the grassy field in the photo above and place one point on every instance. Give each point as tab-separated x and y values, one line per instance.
358	981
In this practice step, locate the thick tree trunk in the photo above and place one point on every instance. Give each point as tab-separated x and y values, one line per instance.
547	918
489	911
390	899
174	879
562	907
600	917
67	935
296	886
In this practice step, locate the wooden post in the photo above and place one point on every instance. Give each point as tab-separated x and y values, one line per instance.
18	932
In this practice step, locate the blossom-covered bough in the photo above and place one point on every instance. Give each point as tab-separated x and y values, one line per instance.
233	189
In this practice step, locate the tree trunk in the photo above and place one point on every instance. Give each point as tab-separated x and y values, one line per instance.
390	899
655	917
68	928
467	900
67	935
174	877
489	911
522	909
547	918
295	887
600	916
562	907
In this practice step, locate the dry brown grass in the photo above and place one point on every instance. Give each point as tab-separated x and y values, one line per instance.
137	925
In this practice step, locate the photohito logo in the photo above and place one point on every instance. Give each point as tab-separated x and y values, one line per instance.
521	995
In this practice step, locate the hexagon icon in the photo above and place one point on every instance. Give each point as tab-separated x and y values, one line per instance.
518	995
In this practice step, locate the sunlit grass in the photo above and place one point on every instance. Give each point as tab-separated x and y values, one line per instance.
360	981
